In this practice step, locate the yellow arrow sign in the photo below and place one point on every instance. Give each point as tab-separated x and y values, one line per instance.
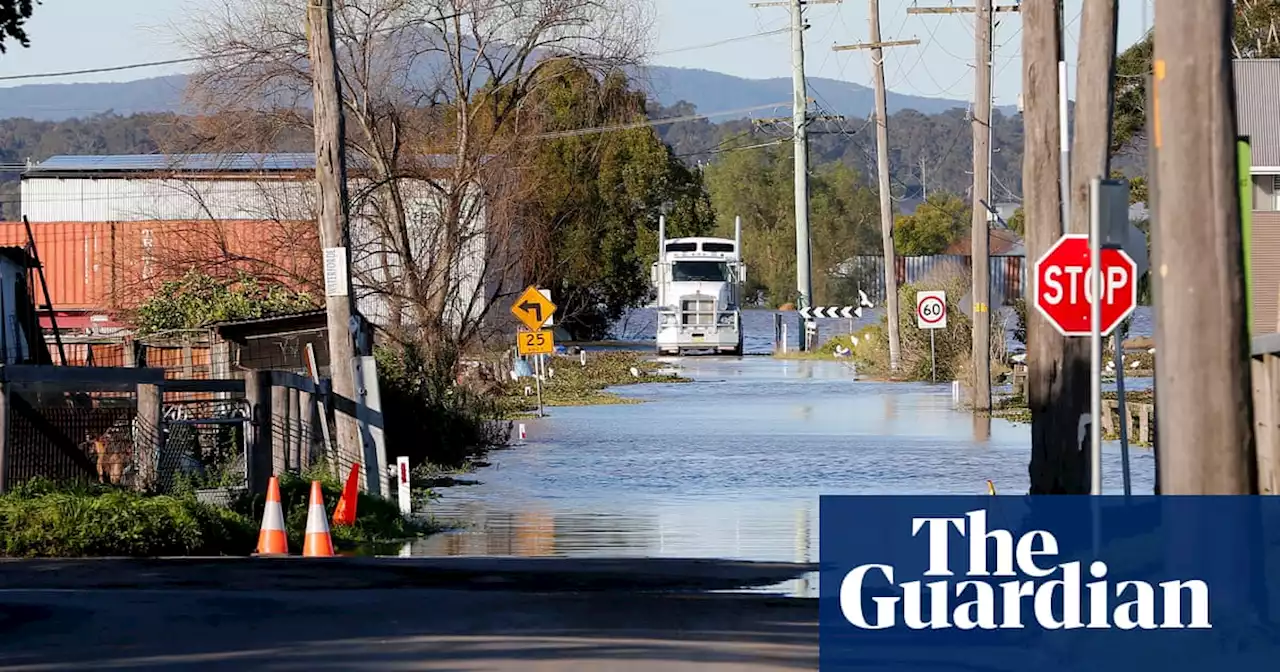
533	309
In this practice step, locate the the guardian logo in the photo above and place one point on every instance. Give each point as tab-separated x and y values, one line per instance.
1053	603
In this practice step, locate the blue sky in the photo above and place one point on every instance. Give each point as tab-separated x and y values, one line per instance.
79	34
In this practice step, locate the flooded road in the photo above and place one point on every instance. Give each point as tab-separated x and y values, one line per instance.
731	466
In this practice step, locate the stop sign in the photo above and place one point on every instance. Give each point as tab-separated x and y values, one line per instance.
1064	287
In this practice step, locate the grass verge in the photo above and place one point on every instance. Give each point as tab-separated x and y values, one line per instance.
570	383
41	519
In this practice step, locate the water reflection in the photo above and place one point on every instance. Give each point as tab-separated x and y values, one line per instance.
981	428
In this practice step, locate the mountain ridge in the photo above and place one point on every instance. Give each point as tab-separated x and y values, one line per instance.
709	91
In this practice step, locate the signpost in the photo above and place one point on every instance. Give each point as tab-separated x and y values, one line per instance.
535	342
1063	277
534	309
931	314
1078	268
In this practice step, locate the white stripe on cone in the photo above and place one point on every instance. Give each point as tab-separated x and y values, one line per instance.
273	517
316	523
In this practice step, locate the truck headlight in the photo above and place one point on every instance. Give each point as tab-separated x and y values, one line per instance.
725	320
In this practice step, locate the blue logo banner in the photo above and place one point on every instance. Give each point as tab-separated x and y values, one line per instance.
1050	583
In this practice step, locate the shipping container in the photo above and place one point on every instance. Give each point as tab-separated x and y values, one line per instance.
100	266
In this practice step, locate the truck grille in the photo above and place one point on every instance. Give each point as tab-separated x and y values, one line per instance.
698	312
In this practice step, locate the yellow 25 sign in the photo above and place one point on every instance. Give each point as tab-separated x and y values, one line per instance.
535	342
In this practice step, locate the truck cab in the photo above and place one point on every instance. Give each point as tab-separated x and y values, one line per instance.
699	285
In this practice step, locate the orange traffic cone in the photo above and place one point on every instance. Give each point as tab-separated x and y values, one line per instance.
272	539
318	543
345	514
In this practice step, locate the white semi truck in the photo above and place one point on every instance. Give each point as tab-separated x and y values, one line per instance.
699	283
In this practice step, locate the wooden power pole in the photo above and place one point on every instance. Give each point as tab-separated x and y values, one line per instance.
1090	158
1202	373
980	226
1057	387
800	140
984	12
331	185
882	159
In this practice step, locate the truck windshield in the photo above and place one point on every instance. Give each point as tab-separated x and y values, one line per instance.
700	271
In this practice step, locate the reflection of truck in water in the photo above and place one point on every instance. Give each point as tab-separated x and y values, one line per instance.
699	283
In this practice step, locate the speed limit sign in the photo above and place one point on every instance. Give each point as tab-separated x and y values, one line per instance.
931	310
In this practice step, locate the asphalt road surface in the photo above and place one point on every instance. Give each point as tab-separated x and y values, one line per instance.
591	625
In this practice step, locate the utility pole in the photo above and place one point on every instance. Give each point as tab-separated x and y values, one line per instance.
1203	374
1056	387
882	159
331	186
800	138
980	225
1091	158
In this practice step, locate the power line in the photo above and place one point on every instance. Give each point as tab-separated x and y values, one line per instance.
654	122
719	43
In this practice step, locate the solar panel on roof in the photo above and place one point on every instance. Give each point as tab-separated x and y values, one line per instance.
196	162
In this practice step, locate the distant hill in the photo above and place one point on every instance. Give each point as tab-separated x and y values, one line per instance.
708	91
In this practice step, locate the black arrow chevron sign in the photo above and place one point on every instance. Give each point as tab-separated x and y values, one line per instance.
831	312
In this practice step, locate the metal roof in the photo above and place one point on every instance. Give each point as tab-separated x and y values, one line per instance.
192	163
1257	83
177	162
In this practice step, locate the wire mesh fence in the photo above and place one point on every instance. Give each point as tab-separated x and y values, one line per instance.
204	445
66	435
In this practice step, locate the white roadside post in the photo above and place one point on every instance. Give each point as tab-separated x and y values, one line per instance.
404	491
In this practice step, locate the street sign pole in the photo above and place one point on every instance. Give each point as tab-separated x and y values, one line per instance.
931	314
537	378
1095	322
933	357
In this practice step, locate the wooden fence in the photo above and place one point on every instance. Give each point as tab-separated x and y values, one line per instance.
1266	411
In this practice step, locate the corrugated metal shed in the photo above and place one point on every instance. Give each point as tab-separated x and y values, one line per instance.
1257	83
1265	250
85	199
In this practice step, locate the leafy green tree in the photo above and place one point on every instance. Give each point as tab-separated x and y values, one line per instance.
1018	222
758	185
593	212
933	227
197	300
1256	35
13	16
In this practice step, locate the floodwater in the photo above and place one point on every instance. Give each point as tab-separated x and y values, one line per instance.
732	465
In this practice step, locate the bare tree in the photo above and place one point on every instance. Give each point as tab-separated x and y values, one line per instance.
432	96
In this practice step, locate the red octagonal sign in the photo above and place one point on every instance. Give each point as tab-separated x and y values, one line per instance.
1063	286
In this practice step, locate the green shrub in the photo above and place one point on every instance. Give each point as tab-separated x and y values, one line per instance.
953	345
40	519
431	419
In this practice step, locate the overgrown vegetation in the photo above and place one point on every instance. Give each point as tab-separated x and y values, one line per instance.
569	383
952	345
429	417
197	300
41	519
